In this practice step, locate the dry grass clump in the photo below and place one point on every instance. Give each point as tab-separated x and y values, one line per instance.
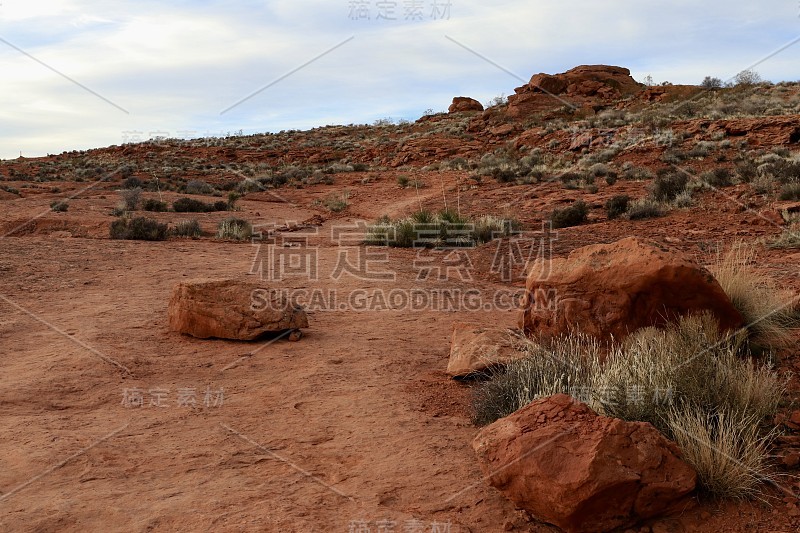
768	312
234	229
565	366
726	450
789	238
687	380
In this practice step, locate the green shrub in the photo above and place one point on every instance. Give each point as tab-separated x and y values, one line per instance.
140	228
617	206
234	229
446	228
188	228
151	204
233	197
59	206
572	215
784	170
746	171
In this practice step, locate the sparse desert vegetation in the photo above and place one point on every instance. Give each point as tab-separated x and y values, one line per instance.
390	244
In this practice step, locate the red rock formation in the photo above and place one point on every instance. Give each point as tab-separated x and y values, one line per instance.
582	86
464	103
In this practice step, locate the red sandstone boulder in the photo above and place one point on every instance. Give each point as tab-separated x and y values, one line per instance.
579	87
476	349
230	309
607	290
568	466
464	103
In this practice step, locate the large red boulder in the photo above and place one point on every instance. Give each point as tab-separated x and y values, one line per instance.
611	290
231	309
464	103
568	466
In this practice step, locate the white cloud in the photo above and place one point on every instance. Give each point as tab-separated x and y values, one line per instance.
174	66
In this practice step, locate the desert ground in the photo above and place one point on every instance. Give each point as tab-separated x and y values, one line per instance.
356	427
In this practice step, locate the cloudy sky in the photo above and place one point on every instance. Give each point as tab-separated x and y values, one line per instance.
78	74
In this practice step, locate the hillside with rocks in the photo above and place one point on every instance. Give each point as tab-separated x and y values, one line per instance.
447	325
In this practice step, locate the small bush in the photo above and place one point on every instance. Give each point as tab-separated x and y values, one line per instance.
790	191
573	215
561	367
424	229
130	197
140	228
234	229
746	171
711	83
190	205
747	78
617	206
668	185
644	208
151	204
719	177
788	239
195	186
683	200
132	183
59	206
784	171
188	228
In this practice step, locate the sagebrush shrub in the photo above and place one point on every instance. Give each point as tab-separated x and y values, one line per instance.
668	185
572	215
617	206
152	204
140	228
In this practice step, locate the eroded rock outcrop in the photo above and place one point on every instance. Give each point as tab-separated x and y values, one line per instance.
581	86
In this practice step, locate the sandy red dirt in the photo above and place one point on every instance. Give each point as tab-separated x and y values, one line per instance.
355	424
